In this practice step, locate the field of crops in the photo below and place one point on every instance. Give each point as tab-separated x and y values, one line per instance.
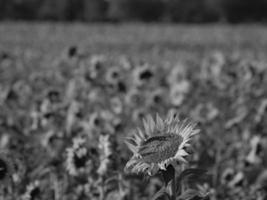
70	95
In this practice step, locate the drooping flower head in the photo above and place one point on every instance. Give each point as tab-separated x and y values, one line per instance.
160	144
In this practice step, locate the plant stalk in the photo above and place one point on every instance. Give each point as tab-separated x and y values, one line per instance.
182	185
173	188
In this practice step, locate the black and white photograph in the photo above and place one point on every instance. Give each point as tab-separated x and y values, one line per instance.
133	99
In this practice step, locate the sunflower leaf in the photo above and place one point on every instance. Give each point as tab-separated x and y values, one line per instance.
161	193
192	175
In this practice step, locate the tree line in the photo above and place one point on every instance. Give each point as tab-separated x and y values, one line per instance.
185	11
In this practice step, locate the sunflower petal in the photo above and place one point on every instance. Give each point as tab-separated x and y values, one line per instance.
130	145
160	123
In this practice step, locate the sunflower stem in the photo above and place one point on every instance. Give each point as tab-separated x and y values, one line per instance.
102	192
173	188
182	185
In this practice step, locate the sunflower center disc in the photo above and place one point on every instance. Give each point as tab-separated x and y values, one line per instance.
159	148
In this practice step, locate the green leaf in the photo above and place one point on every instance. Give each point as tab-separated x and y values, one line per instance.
161	193
193	174
168	174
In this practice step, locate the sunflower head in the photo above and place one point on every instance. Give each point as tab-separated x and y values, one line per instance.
161	143
78	159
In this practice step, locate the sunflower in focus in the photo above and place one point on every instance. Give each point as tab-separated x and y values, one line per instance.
161	143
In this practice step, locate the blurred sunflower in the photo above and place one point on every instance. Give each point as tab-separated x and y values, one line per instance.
32	191
78	159
138	114
178	92
160	144
177	73
212	65
135	98
156	97
96	66
205	112
116	105
6	166
12	166
96	121
142	75
113	75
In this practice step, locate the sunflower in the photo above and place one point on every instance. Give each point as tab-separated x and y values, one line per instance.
32	191
12	166
113	75
78	159
178	92
160	144
142	75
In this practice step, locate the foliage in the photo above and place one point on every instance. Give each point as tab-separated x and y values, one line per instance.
67	119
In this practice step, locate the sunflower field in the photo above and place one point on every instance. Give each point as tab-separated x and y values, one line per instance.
67	126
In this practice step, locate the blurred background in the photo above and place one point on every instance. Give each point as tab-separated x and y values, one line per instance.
185	11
